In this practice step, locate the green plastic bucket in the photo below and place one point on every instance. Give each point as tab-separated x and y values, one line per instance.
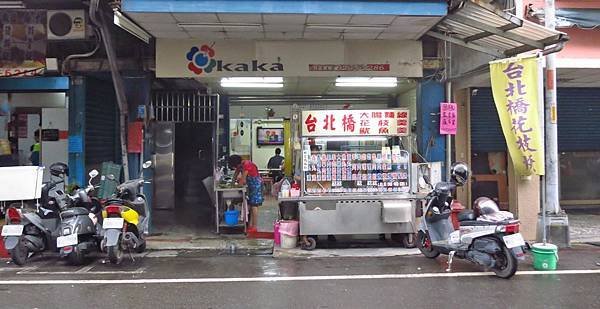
545	256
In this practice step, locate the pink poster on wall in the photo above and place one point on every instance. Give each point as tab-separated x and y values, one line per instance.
448	118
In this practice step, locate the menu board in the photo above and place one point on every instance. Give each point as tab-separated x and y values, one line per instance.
356	172
388	122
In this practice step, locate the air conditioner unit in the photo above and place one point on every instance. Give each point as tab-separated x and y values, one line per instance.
432	170
66	25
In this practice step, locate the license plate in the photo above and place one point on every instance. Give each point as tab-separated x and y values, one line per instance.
68	240
12	230
112	223
514	240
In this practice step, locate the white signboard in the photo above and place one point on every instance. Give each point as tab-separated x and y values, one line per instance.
387	122
198	59
20	183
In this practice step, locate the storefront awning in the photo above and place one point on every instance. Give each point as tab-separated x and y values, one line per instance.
495	32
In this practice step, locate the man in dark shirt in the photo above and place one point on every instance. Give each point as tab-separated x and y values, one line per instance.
276	162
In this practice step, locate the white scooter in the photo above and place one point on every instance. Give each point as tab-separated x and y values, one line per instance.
491	240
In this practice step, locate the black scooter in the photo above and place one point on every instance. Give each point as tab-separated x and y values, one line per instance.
80	225
28	232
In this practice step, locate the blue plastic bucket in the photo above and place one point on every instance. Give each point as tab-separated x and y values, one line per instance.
232	216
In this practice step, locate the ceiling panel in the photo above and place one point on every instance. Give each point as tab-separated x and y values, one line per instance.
245	35
372	19
284	28
240	18
360	35
397	36
416	20
244	29
152	17
171	34
296	19
283	35
195	18
321	35
161	27
328	19
207	34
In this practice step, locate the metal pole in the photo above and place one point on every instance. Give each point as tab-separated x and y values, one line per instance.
551	137
448	137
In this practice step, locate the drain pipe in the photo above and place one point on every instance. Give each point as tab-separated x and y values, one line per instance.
117	82
80	56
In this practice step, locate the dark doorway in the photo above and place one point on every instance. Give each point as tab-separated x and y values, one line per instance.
193	163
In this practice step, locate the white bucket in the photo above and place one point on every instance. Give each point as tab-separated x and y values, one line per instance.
288	242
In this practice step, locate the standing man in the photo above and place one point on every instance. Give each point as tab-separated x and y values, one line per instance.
276	163
35	149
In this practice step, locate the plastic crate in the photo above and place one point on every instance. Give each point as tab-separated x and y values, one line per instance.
108	187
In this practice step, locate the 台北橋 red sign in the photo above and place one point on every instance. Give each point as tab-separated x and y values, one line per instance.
380	122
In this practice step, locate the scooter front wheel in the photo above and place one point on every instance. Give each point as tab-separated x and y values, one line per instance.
506	263
425	246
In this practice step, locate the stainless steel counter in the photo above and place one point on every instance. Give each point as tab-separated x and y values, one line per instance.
362	197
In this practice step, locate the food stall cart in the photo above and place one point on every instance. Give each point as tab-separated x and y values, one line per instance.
356	168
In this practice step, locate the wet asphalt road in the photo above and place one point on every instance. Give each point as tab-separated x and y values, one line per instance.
301	290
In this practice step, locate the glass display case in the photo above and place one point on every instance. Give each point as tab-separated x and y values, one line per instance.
355	165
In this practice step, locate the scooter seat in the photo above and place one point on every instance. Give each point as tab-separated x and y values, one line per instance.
480	223
76	211
466	215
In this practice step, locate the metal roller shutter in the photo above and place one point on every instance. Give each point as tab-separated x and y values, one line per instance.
101	143
578	119
486	132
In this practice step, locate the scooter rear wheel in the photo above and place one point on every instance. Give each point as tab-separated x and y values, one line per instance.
19	254
76	257
424	245
115	254
507	263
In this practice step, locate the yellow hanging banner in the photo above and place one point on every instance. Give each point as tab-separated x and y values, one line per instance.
515	85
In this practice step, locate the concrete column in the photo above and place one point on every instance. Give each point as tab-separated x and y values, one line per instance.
524	201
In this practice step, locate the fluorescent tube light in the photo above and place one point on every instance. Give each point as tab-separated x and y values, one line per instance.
253	79
346	27
12	5
250	85
252	82
376	82
128	25
218	25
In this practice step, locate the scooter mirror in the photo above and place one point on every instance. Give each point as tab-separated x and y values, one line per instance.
147	164
93	173
110	177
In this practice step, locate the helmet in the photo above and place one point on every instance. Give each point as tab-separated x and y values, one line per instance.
58	169
459	173
485	206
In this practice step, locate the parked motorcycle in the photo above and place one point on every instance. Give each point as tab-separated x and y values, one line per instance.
28	232
487	236
79	224
125	219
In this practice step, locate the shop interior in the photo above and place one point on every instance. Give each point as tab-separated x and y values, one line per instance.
24	114
258	109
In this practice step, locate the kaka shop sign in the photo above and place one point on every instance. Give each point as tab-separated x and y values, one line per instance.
385	122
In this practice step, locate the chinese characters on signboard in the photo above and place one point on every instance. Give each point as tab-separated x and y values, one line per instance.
515	88
393	122
448	118
22	43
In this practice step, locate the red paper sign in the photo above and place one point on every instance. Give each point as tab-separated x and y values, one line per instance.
135	138
448	118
